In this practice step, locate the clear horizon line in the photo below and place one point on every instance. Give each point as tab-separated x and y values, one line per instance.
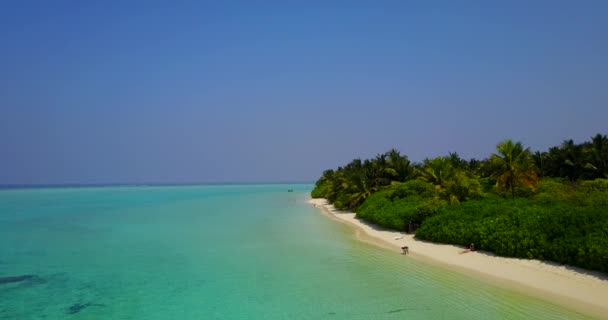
26	185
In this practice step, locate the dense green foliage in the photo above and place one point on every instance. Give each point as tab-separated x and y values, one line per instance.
588	160
403	203
348	186
546	205
571	229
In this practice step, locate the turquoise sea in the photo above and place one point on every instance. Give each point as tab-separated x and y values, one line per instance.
219	252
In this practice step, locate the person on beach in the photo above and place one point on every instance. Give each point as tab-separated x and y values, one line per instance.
471	248
405	249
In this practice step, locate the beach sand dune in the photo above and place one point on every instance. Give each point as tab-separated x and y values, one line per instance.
578	289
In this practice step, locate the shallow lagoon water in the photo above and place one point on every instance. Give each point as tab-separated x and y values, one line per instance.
219	252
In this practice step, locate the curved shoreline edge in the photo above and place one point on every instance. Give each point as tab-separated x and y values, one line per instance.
577	289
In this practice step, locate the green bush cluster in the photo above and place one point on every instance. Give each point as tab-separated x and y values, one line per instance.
400	205
592	193
318	191
561	231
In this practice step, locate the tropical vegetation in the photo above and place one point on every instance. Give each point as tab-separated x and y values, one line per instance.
550	205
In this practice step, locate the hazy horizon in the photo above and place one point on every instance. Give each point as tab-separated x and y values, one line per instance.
115	93
153	184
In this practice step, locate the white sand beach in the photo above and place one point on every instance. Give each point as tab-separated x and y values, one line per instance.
578	289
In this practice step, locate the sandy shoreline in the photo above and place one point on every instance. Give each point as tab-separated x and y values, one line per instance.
578	289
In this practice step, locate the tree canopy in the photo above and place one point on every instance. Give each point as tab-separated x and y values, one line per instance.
545	204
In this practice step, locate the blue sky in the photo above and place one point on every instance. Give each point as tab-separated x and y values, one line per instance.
108	92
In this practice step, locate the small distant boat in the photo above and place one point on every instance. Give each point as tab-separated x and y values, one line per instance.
289	190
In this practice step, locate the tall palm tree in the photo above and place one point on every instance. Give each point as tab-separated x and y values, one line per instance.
401	165
514	167
437	171
599	155
452	183
380	171
457	161
539	162
572	165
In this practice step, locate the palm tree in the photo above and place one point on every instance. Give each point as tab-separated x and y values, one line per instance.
451	183
457	161
400	164
436	171
359	183
380	172
572	166
539	162
514	167
599	156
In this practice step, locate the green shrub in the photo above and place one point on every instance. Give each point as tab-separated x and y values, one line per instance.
411	188
318	191
487	184
564	232
597	185
404	203
551	190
